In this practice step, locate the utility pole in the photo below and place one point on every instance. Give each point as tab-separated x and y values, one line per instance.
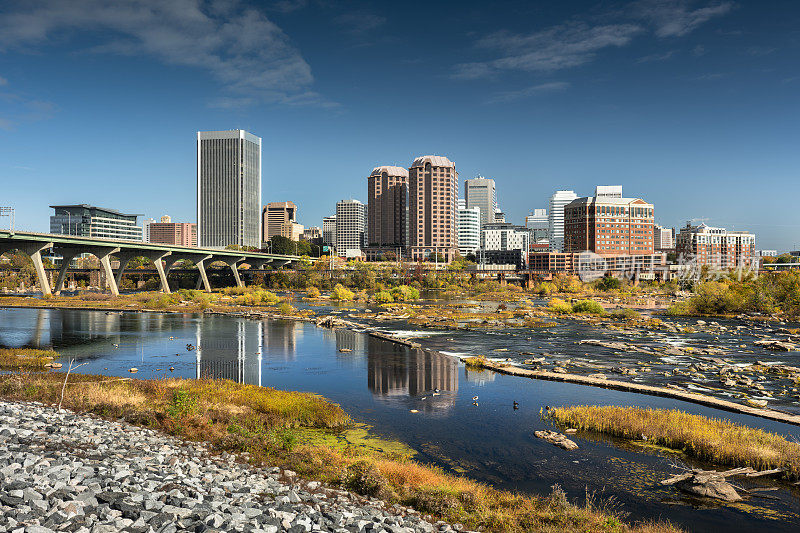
8	212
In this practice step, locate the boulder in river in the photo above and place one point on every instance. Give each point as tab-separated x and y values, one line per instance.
556	439
776	345
713	484
708	484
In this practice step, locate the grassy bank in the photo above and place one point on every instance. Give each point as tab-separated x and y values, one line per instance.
291	429
709	439
25	358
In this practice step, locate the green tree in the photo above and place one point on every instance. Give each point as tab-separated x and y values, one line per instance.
282	245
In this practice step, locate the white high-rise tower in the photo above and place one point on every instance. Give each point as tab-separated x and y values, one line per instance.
556	218
228	189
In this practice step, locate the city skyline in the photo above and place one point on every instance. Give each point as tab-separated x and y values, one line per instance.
677	105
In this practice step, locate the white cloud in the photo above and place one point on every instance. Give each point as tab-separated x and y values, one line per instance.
554	48
509	96
22	109
359	22
674	18
287	6
656	57
245	51
579	41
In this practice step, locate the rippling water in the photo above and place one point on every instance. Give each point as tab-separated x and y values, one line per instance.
380	383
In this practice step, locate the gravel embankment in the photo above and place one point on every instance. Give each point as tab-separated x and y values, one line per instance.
61	471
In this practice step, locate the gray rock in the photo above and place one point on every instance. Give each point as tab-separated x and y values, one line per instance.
106	476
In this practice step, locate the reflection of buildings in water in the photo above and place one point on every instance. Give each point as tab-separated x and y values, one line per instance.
394	370
281	338
351	340
230	349
479	377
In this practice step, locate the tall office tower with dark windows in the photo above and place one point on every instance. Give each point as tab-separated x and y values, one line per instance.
387	207
228	189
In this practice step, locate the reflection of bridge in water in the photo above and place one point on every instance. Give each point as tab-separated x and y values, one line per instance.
75	327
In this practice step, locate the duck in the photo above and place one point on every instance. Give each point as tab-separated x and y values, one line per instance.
474	398
115	345
516	405
172	338
172	369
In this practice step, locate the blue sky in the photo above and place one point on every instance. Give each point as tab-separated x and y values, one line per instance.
691	105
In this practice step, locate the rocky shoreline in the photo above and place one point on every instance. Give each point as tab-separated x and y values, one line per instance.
63	471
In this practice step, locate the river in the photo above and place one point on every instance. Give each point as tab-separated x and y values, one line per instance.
380	383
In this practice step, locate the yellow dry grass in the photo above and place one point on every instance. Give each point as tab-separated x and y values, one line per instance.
709	439
25	358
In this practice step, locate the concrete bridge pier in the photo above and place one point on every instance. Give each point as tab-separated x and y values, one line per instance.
124	258
104	255
34	250
202	278
157	258
67	254
233	262
169	262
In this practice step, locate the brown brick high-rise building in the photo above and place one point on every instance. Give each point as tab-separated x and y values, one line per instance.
177	233
608	226
433	201
387	207
278	219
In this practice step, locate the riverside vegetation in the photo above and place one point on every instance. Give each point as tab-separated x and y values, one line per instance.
717	441
26	358
273	428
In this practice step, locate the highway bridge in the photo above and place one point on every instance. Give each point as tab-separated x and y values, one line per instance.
163	256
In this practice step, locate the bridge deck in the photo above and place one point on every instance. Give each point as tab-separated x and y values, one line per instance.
164	256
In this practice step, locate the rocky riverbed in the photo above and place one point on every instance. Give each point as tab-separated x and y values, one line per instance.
62	471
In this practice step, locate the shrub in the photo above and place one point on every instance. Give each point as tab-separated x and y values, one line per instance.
475	362
342	294
608	283
624	314
162	302
384	297
257	297
286	309
313	292
365	478
559	306
544	289
404	293
588	306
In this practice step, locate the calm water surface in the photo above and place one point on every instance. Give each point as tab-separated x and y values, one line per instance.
380	382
